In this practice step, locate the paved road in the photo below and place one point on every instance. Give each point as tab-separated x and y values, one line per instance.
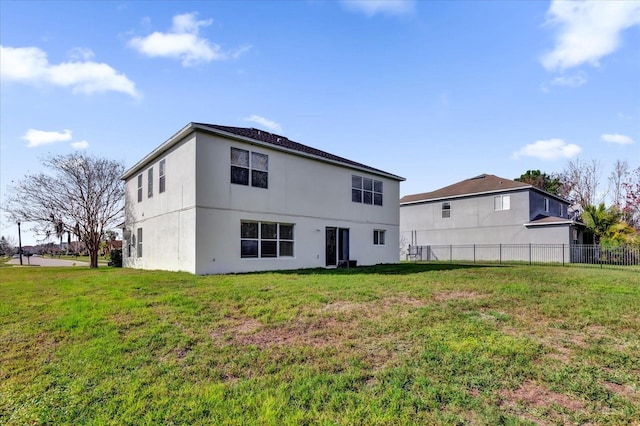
47	261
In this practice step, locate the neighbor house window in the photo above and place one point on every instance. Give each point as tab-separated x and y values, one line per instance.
140	187
150	182
546	205
139	242
249	168
378	237
266	239
446	210
161	187
502	202
561	210
366	191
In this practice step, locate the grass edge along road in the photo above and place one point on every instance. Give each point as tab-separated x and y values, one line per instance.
399	344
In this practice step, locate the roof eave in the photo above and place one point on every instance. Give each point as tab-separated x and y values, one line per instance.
192	127
471	194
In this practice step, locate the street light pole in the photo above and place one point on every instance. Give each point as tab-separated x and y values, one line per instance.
20	243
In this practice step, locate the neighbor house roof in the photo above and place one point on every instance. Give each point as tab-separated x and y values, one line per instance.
259	137
551	220
482	184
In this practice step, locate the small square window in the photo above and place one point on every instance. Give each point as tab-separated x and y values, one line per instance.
378	237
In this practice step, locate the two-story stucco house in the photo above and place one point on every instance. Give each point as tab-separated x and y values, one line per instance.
217	199
487	209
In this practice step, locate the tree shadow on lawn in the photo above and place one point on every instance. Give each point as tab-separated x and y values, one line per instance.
387	269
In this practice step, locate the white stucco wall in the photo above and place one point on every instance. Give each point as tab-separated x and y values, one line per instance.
166	218
310	194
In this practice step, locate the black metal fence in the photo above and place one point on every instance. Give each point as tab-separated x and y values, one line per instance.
564	254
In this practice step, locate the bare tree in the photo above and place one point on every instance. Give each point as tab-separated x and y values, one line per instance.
631	209
619	176
80	189
581	183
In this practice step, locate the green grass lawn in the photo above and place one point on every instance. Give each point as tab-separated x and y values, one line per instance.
404	344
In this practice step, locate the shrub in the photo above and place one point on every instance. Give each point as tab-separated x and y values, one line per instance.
116	258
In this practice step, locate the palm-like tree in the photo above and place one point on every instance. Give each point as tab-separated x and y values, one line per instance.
599	219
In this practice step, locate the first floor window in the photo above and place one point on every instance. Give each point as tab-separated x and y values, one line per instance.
378	237
546	205
561	210
266	239
502	202
139	242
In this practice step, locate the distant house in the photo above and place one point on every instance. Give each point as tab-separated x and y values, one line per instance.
218	199
487	209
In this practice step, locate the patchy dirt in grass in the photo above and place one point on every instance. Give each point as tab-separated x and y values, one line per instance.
456	295
624	391
535	397
350	327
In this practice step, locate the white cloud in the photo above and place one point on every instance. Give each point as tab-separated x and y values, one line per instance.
588	30
617	138
183	42
372	7
81	54
575	80
551	149
268	124
29	65
37	138
80	145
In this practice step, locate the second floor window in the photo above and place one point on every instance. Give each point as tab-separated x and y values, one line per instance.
161	187
139	187
502	202
446	210
249	168
150	183
366	191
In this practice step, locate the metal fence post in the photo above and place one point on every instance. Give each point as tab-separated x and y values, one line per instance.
501	253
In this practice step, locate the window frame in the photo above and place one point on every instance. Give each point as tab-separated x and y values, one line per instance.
446	210
379	237
140	178
150	182
264	242
366	190
139	242
502	199
547	204
255	169
162	176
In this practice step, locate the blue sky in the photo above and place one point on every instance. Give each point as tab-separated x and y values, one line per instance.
433	91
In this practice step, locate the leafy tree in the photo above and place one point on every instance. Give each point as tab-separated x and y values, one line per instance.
621	233
80	189
543	181
599	219
6	246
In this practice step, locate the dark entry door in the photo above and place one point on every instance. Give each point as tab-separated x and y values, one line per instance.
336	245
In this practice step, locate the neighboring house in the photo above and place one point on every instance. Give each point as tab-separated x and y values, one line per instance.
217	199
487	209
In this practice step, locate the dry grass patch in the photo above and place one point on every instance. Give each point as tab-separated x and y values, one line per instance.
446	296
